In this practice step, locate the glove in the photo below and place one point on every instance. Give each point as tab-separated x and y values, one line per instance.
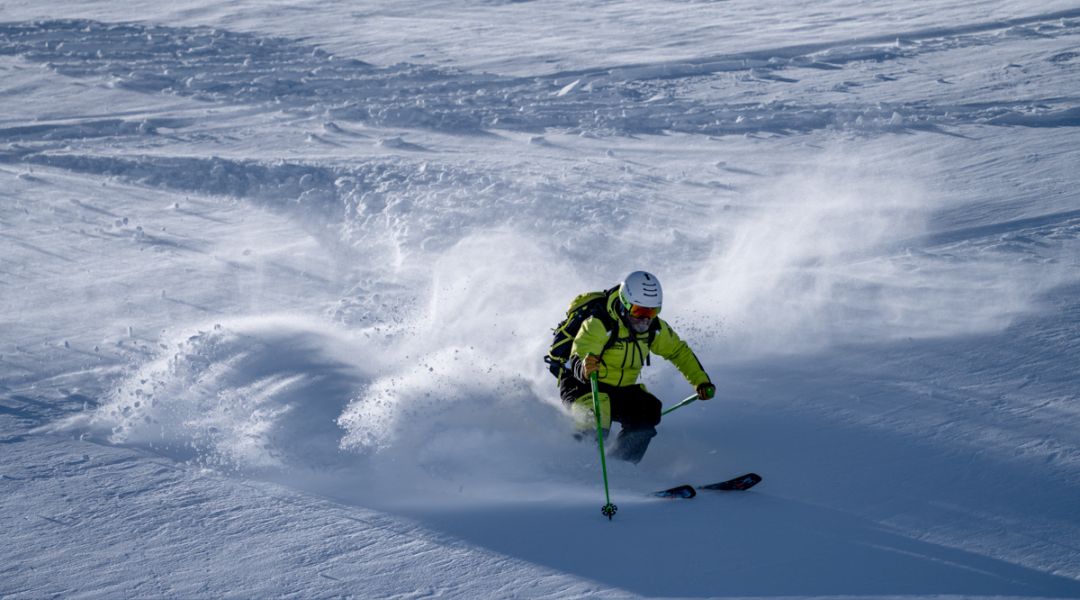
706	391
590	365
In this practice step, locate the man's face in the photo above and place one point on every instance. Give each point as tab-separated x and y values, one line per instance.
640	317
639	324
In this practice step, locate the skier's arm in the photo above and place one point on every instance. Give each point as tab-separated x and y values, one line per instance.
669	345
590	340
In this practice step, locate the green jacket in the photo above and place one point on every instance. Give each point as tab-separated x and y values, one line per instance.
621	364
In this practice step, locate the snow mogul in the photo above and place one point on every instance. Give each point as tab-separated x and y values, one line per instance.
611	334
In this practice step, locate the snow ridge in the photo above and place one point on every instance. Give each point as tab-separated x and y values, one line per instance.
223	66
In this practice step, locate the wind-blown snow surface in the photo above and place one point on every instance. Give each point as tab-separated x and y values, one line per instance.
276	279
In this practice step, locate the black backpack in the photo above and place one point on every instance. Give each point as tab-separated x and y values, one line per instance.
589	304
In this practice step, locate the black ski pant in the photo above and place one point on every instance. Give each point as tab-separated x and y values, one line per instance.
632	406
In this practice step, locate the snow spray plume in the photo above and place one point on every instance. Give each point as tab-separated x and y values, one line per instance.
251	395
466	395
826	258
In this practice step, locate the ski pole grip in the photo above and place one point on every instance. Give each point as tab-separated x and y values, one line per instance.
594	378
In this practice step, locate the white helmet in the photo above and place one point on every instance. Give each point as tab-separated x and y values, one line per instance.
641	289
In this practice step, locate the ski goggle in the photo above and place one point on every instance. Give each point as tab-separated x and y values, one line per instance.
641	312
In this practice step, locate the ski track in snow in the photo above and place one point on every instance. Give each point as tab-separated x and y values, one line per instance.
222	66
318	404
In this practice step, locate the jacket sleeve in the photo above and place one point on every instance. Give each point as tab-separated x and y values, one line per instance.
669	345
591	339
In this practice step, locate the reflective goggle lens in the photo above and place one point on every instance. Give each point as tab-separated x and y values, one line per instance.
642	312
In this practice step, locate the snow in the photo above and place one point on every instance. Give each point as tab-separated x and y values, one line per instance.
276	278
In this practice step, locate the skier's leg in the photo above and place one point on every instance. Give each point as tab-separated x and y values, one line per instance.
585	418
578	397
639	413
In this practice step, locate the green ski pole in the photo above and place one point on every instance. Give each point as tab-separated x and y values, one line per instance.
688	400
609	509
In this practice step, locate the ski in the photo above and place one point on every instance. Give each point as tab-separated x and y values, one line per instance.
680	491
740	484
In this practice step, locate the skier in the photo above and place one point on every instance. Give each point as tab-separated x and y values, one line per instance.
616	346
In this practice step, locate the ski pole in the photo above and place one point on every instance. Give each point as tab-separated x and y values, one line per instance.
609	509
688	400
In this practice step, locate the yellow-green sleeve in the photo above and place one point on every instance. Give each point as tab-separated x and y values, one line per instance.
590	339
669	345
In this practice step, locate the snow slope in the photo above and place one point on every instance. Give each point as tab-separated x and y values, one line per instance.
275	280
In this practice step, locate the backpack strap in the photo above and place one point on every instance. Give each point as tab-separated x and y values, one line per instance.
654	328
612	325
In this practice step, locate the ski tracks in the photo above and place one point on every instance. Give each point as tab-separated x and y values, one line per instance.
715	95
